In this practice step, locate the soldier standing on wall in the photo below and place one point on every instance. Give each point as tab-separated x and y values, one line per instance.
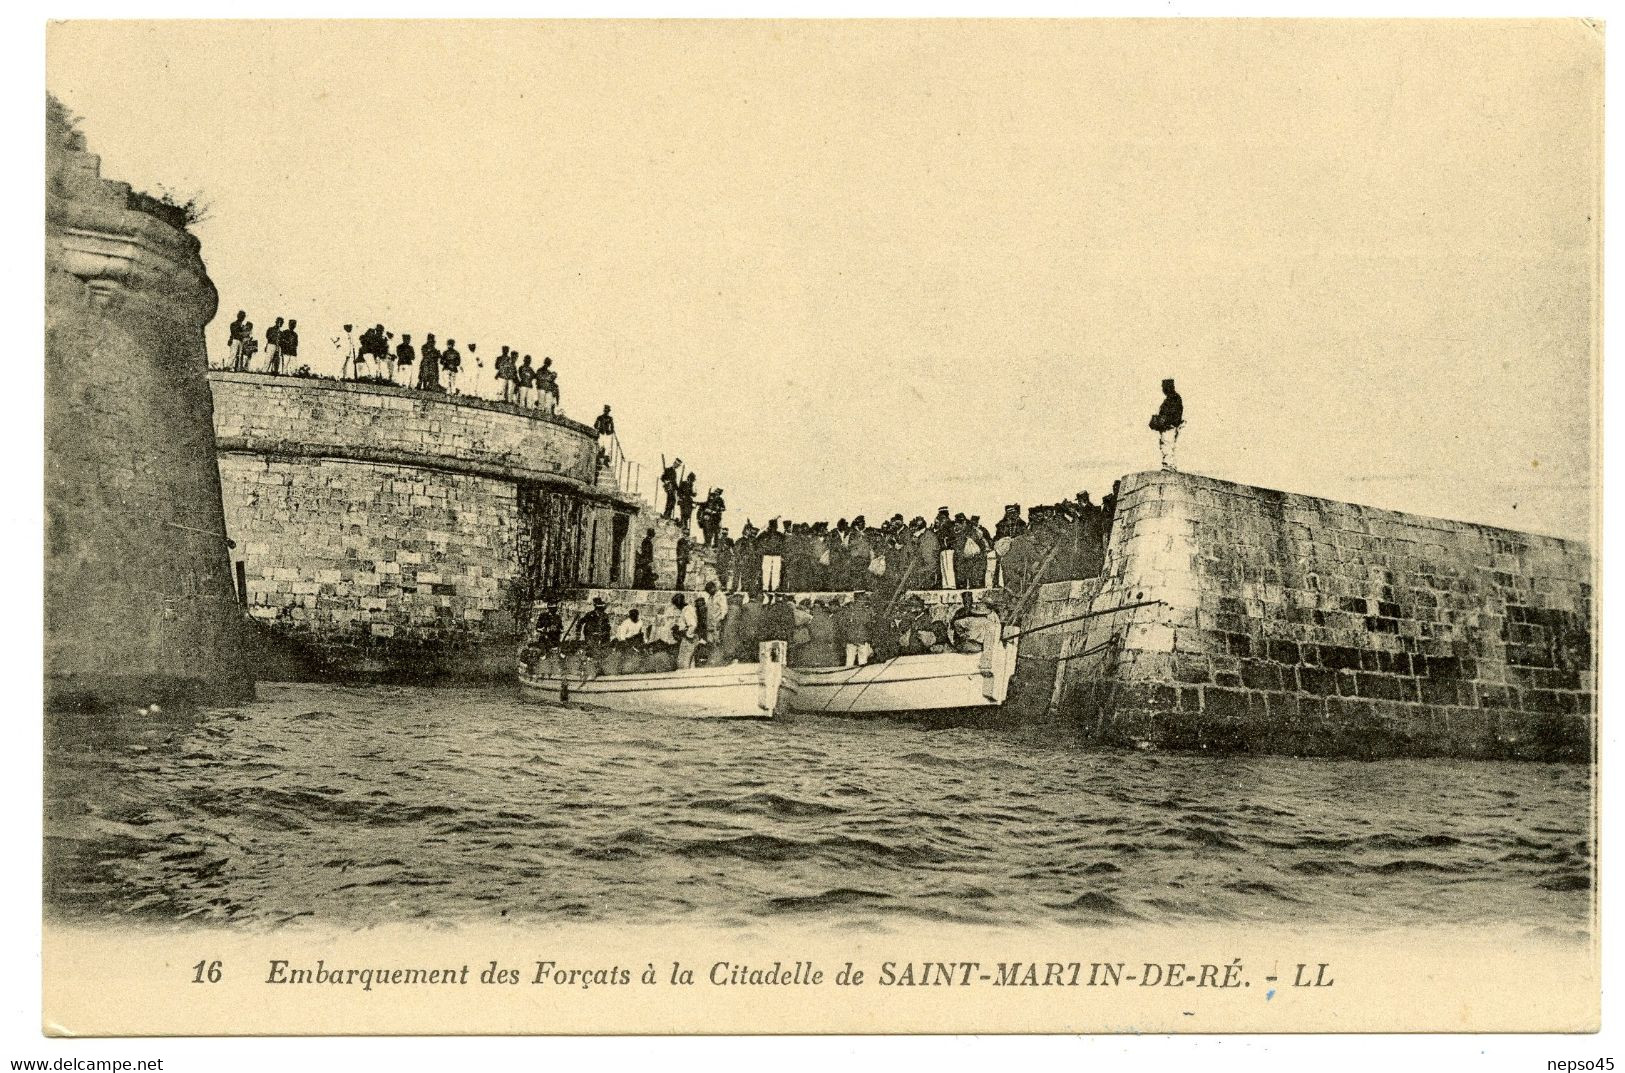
235	335
288	342
504	373
351	366
273	347
547	387
405	355
524	378
429	368
250	345
605	427
450	362
711	523
1166	423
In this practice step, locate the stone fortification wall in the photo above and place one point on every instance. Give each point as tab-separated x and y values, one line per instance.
313	418
139	603
387	532
1302	625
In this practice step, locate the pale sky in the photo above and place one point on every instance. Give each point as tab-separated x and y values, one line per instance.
850	268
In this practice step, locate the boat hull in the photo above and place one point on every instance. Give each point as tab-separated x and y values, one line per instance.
947	680
736	691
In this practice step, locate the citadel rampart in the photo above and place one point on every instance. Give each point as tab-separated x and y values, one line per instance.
386	531
1291	624
139	602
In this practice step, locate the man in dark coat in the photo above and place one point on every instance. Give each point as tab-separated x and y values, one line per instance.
288	342
273	347
504	373
748	559
643	568
685	501
779	616
549	627
746	616
682	559
429	367
405	355
451	363
236	333
1167	421
595	626
1108	508
668	484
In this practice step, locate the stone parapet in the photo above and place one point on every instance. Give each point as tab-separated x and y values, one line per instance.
365	422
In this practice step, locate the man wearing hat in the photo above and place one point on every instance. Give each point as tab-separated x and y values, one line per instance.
595	625
352	360
771	544
549	627
946	539
1166	423
668	484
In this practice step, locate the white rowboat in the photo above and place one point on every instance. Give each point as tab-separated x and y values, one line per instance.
909	683
737	691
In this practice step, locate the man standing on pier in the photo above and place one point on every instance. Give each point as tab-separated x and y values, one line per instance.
643	570
946	535
772	547
686	494
668	484
1167	421
605	427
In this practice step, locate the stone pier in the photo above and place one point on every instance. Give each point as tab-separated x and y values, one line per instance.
1292	624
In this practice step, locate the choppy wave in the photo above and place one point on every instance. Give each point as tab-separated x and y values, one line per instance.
362	806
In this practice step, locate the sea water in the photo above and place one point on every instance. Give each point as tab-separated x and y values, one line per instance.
359	806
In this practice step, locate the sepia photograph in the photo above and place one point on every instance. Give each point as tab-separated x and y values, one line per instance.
1083	525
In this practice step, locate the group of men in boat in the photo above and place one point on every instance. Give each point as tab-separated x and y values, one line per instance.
712	628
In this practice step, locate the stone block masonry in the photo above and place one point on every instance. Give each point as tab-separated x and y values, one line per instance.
1291	624
139	604
390	533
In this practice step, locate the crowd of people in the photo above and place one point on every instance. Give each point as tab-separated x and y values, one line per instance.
1053	542
376	355
714	628
1056	541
